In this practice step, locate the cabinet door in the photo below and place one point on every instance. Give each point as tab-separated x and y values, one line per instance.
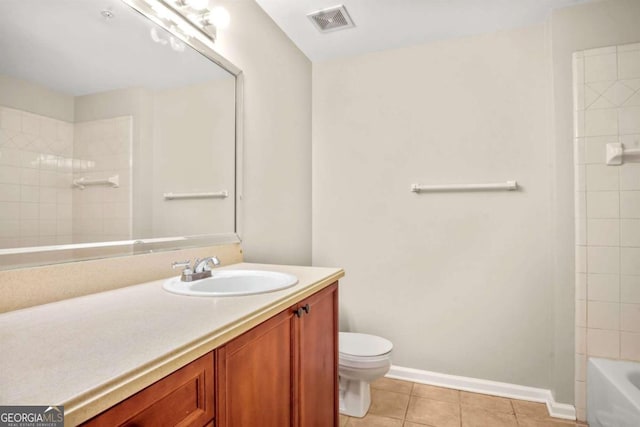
183	398
256	375
318	359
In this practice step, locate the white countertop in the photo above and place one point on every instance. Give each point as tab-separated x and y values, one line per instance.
91	352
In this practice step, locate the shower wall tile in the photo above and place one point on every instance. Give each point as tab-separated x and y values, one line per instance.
630	176
630	204
629	120
595	149
603	259
630	261
29	211
630	233
9	228
602	178
603	204
29	193
600	67
603	343
607	110
9	193
603	232
629	64
630	317
9	175
603	287
634	100
601	122
9	210
603	315
618	94
630	289
630	346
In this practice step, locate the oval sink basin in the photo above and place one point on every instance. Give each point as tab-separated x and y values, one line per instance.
227	283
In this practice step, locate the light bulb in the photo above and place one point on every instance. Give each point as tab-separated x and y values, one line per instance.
176	45
198	4
156	37
219	17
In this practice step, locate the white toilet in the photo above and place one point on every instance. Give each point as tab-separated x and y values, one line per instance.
362	358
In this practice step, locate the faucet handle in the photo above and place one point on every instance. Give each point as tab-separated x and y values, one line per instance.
182	264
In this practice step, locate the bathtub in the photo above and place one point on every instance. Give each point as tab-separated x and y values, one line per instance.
613	393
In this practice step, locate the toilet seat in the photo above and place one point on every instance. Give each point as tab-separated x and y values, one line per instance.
359	347
359	362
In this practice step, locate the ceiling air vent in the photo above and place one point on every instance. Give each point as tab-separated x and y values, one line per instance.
331	19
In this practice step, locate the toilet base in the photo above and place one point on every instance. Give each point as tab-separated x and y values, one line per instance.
355	397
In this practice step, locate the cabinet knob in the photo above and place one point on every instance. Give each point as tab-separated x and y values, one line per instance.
298	312
306	308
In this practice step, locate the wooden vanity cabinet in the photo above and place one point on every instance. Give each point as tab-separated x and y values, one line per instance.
283	372
184	398
318	360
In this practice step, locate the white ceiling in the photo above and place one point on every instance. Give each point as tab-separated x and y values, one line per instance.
67	46
388	24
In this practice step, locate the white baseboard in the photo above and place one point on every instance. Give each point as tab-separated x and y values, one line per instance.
494	388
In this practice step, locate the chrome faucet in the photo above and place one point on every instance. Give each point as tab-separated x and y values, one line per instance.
201	265
200	270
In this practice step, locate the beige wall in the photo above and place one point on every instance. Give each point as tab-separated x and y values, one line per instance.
576	28
460	282
194	151
277	136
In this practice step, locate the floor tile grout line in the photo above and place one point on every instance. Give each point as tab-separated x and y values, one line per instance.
406	410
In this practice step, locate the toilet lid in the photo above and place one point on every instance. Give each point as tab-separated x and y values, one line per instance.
363	345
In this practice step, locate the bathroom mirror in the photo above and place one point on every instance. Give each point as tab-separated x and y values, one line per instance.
119	133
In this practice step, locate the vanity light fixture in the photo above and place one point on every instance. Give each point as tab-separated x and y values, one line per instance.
219	17
193	4
187	18
199	14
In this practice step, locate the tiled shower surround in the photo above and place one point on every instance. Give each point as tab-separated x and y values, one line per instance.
102	148
39	158
607	110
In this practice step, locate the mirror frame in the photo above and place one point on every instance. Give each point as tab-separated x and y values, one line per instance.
203	43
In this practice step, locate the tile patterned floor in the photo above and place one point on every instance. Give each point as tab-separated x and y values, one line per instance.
397	403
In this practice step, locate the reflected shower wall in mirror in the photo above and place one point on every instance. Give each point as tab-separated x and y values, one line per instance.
111	129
